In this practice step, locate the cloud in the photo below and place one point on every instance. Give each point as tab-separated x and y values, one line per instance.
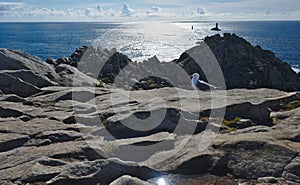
126	11
154	8
201	11
88	12
7	6
154	11
99	9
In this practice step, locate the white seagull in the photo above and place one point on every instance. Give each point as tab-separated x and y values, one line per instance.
201	85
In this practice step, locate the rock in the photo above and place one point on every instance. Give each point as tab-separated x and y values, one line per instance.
9	141
243	123
30	77
267	180
270	157
10	84
76	94
17	60
128	180
79	52
12	98
287	117
42	169
99	171
50	61
195	179
6	182
113	66
34	127
72	60
292	170
243	65
89	120
71	76
7	112
66	61
59	135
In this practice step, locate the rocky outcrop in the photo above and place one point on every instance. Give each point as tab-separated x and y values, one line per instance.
12	85
128	180
24	75
72	60
71	76
38	80
244	65
18	60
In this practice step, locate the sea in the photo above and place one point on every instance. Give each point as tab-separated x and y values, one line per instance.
142	40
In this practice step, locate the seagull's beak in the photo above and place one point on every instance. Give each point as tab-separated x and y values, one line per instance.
191	76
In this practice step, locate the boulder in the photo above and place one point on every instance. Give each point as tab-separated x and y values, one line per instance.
292	170
10	141
128	180
7	112
17	60
70	76
72	60
100	171
267	180
30	77
13	85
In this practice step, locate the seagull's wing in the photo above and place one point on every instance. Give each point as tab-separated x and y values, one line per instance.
204	86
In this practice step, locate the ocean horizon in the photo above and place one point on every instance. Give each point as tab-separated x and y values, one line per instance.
142	40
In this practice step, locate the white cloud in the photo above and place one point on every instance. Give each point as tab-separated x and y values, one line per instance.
99	9
155	8
88	12
201	11
126	11
7	6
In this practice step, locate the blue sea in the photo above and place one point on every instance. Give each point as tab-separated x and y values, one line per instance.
141	40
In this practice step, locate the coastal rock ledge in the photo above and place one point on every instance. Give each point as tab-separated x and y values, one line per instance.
62	124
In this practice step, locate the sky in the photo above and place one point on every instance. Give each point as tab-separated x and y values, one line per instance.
142	10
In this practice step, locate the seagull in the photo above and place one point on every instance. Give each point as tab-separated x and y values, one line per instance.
201	85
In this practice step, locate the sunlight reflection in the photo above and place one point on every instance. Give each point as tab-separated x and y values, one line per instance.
140	41
161	181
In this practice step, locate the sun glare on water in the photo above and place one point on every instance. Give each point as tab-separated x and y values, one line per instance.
140	41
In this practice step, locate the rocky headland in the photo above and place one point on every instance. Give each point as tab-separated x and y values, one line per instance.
74	121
